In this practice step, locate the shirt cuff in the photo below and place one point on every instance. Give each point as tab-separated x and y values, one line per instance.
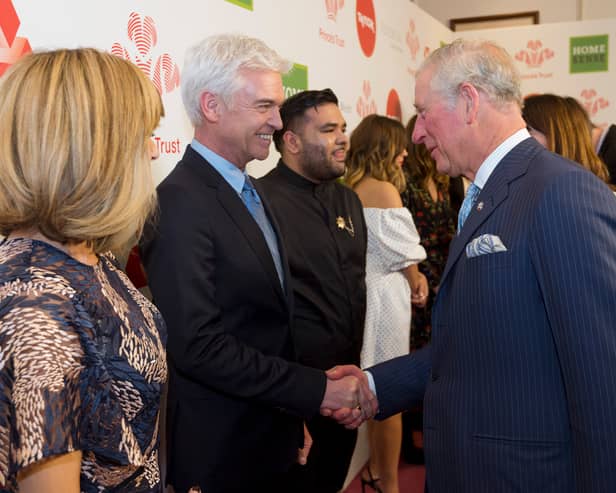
371	382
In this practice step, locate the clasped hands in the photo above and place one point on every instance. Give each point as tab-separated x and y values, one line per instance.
348	398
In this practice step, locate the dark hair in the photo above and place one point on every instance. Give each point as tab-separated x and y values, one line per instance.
419	163
295	108
565	126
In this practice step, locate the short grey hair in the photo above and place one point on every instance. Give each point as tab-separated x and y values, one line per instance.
484	64
215	63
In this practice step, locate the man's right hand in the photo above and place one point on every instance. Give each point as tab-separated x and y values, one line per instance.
348	398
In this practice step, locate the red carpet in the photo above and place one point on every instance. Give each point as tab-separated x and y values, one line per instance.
411	480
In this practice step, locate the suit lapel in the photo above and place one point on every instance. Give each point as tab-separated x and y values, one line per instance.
231	202
495	191
238	212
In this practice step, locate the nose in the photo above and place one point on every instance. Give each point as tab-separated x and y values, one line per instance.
275	121
153	149
419	132
342	138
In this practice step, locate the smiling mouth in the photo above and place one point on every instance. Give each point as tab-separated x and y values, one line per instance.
267	137
340	154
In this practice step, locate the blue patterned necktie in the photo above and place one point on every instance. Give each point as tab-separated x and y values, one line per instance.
253	203
467	204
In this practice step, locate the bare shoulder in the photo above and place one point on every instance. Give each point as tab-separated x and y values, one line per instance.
378	193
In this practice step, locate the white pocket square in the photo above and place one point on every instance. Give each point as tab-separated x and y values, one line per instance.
485	244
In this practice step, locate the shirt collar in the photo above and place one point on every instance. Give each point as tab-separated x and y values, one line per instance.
490	163
234	176
295	178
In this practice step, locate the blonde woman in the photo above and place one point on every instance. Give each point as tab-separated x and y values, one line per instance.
374	171
82	359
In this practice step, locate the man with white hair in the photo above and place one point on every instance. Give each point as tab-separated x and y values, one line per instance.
520	377
218	272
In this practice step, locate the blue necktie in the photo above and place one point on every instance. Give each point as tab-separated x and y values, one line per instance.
253	203
467	204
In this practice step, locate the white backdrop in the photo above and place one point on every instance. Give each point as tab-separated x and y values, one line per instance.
367	51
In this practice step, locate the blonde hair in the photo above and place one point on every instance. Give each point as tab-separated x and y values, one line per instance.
74	159
375	144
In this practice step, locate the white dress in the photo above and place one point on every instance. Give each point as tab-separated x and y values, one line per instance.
393	244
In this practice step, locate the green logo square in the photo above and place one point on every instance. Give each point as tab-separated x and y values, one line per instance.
296	80
247	4
588	54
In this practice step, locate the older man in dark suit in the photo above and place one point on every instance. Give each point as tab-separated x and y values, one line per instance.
218	272
520	377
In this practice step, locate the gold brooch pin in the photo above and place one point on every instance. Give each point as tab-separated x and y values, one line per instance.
342	224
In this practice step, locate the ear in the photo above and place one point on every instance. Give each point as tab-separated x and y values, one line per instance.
292	142
210	105
470	98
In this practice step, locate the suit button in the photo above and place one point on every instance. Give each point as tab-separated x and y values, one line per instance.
434	377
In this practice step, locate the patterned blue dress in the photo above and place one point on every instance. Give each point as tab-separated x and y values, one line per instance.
82	364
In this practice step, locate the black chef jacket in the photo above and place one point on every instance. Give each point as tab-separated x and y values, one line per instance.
323	228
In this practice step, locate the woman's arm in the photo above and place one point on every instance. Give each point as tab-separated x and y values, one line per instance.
58	474
419	285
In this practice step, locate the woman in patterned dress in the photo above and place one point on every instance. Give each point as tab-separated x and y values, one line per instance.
378	149
82	358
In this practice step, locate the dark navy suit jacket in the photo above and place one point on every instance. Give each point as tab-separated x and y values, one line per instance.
236	397
521	392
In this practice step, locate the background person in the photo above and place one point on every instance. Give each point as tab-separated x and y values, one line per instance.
82	357
374	171
323	227
563	127
217	268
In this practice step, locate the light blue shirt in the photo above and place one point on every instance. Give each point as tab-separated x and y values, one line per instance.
234	176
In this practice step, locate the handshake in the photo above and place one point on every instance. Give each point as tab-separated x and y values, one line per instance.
348	398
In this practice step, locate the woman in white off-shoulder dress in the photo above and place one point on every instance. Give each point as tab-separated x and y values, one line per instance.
393	281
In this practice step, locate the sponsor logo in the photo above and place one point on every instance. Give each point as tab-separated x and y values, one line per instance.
534	55
365	103
246	4
394	110
588	54
413	44
592	103
366	26
163	72
296	80
173	146
12	47
412	40
332	7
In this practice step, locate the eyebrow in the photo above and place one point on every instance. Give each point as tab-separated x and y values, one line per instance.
265	101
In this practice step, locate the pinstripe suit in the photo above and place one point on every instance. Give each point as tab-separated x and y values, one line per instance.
521	392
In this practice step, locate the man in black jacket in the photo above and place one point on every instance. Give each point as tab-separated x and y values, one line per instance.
323	228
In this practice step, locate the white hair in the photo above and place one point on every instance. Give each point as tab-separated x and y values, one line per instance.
484	64
215	64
